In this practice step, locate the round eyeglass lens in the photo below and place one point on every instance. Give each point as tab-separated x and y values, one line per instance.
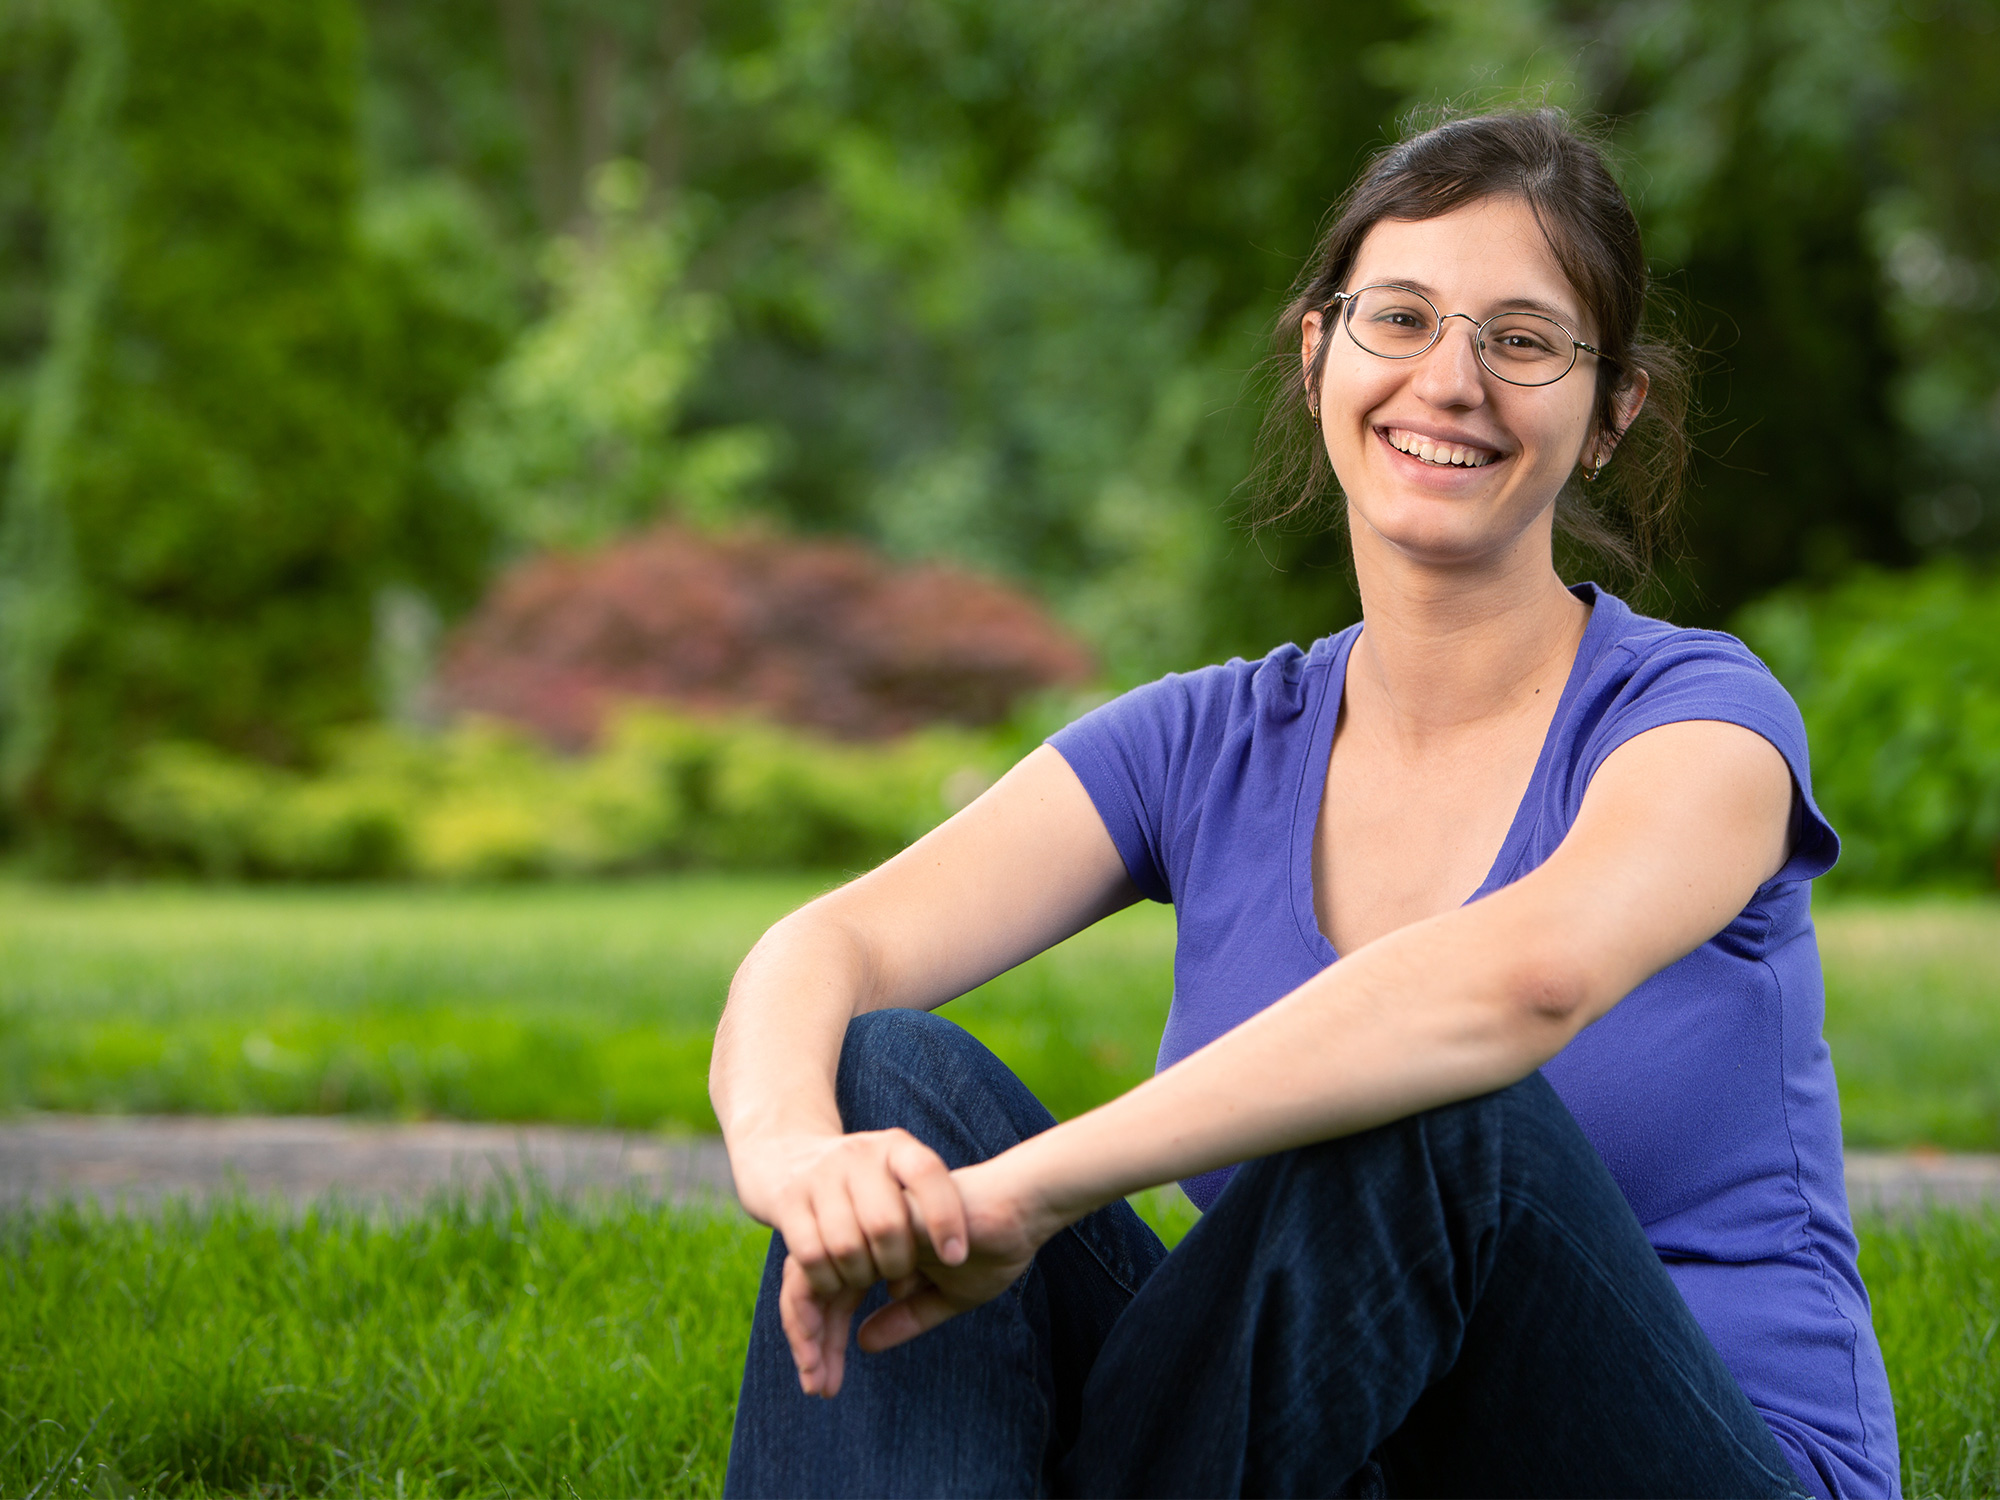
1526	348
1392	321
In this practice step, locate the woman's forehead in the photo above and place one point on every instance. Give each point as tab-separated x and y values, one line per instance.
1487	255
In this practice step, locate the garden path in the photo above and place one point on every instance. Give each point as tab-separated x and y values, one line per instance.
143	1159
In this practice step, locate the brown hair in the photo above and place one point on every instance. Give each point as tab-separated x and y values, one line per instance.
1543	157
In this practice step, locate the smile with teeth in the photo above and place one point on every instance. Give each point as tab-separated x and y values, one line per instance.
1431	451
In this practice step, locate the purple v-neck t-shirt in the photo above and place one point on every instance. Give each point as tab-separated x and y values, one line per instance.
1708	1090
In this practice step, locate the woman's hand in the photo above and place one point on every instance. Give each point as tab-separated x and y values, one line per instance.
854	1210
1003	1229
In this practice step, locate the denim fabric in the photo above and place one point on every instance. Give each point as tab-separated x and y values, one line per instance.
1457	1303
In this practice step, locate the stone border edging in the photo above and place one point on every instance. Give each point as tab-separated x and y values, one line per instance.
141	1160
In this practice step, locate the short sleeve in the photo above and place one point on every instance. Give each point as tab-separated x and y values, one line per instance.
1147	761
1129	754
1708	675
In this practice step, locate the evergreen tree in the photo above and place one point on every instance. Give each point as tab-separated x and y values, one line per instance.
221	461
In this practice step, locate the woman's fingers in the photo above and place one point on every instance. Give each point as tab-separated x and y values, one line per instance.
884	1220
816	1329
803	1319
845	1257
871	1212
805	1247
833	1339
876	1205
924	1176
902	1320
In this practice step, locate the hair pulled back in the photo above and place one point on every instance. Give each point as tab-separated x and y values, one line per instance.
1542	157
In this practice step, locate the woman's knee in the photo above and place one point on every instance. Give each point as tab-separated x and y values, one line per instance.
1471	1146
1527	1118
916	1071
889	1057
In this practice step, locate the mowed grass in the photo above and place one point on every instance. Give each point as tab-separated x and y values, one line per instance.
594	1004
525	1347
1935	1285
1913	1017
590	1004
510	1347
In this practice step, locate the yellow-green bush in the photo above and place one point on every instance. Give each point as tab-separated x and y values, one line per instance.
484	801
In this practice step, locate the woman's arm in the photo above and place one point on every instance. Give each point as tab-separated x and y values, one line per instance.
1020	869
1678	829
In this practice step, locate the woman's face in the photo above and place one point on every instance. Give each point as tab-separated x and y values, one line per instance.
1499	452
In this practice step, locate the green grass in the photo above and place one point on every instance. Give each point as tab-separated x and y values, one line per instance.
1913	1017
594	1003
475	1349
1935	1284
519	1346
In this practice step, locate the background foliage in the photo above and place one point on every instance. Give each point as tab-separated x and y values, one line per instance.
221	456
289	368
821	634
486	801
1898	676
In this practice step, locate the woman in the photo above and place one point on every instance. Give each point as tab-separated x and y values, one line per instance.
1477	1248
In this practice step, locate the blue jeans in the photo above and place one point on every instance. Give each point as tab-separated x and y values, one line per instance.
1459	1303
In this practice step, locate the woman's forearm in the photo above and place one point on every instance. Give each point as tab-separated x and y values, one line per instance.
1025	866
777	1049
1445	1009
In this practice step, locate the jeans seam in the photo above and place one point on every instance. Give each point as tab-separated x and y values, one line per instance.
1553	1221
1129	1285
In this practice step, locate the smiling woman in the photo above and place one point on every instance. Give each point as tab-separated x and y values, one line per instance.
1634	382
1494	1056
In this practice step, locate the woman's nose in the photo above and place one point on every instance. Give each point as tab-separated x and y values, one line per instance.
1449	372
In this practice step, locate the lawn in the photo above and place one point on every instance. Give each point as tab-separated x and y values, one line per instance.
1913	1017
520	1346
593	1003
516	1346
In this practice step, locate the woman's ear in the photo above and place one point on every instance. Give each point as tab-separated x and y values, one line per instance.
1310	327
1629	398
1625	404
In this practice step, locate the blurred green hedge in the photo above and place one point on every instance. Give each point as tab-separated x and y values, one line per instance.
485	801
1898	676
223	457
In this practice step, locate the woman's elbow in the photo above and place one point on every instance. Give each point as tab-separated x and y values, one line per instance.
1550	995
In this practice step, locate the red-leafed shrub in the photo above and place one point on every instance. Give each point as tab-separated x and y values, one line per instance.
822	634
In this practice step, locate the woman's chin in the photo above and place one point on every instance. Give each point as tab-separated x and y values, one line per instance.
1451	533
1417	534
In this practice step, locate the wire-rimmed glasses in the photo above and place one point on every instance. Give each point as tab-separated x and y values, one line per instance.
1521	348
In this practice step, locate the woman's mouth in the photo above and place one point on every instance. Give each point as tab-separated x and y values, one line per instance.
1435	451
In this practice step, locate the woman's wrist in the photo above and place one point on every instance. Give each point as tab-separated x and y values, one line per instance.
764	1163
1018	1187
1002	1204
